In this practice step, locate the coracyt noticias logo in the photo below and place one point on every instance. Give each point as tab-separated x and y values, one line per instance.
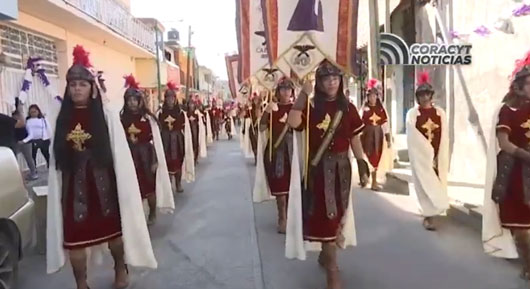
394	51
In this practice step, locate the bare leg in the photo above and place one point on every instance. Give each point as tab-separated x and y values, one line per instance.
78	259
329	251
120	269
151	201
178	179
281	203
522	239
375	186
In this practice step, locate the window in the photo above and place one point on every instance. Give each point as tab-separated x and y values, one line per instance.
167	55
19	45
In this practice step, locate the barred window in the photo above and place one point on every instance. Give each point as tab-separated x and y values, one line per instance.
18	45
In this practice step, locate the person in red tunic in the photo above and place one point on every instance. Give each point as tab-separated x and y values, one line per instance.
334	128
83	154
278	164
194	125
172	121
510	191
428	144
135	118
216	119
227	118
376	127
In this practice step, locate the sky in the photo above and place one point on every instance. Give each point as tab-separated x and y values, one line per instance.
212	23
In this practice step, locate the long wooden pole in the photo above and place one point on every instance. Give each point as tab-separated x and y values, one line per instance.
271	143
373	61
306	161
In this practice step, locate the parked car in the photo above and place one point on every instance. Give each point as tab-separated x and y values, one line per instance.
16	218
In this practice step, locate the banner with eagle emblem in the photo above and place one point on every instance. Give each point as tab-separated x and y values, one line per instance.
232	69
304	32
252	42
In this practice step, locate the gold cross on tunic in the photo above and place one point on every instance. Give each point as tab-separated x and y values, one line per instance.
170	120
374	118
430	126
325	123
526	125
133	131
78	136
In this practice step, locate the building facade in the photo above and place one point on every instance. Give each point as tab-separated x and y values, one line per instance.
51	28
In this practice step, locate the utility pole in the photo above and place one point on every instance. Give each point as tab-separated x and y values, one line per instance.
188	64
373	53
158	77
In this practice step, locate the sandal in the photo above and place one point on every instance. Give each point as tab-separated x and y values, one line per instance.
428	224
282	228
333	273
125	284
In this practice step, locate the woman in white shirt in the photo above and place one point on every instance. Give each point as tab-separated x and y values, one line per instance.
38	134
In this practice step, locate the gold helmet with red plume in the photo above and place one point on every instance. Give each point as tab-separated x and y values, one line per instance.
81	68
132	88
424	84
373	84
326	68
171	90
522	68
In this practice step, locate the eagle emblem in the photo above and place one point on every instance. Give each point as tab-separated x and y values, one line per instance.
262	34
303	49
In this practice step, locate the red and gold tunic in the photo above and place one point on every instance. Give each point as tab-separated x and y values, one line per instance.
216	115
514	212
194	125
374	117
101	221
172	131
429	123
319	224
140	139
278	170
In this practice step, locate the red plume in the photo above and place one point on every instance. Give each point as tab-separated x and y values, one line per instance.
372	83
81	56
424	78
172	86
521	63
130	82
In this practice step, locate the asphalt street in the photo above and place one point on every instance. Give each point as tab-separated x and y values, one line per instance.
218	239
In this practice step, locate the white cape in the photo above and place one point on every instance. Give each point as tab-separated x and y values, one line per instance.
496	240
247	145
261	190
202	136
430	189
295	246
209	137
188	166
164	194
137	243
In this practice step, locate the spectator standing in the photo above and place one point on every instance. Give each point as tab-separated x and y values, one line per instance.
38	135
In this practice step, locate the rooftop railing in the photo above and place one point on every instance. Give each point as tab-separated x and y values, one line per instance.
117	18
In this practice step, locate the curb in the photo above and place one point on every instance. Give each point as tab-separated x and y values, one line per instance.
467	214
